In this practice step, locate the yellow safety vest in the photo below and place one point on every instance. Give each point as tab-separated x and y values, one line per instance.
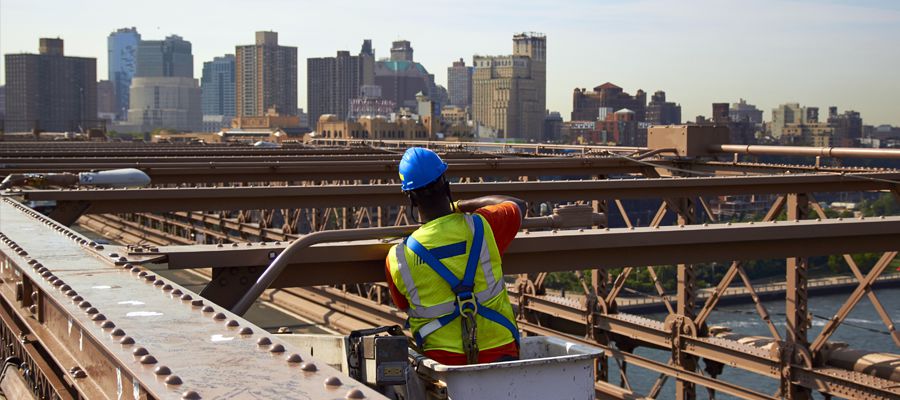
433	302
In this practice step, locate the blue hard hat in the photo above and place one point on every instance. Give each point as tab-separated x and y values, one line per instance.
419	167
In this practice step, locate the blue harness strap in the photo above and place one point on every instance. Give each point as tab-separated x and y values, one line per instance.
464	287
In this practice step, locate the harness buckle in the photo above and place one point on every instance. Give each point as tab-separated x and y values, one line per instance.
467	304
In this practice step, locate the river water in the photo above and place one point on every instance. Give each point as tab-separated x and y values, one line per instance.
863	329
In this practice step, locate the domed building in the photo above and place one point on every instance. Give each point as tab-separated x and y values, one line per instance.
401	78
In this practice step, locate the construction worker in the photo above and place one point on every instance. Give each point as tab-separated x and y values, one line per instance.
446	276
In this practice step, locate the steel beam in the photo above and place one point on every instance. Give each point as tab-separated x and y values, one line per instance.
533	252
244	198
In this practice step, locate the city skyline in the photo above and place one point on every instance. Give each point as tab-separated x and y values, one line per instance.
821	54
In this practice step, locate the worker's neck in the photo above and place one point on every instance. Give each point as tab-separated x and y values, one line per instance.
431	213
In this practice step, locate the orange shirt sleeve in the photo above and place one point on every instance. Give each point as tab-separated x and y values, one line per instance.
505	220
398	298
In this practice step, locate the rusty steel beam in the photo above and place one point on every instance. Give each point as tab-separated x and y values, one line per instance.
363	261
243	198
164	172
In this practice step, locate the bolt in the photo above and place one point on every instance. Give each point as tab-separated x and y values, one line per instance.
162	370
148	359
294	358
309	367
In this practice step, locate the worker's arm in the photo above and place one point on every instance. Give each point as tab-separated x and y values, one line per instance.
471	205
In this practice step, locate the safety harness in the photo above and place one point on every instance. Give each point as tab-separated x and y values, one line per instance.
466	304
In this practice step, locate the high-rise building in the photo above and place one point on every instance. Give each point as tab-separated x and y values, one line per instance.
401	78
333	81
164	93
720	113
401	50
553	123
586	105
788	113
169	57
50	91
2	102
266	74
106	99
121	51
459	84
741	111
848	127
509	92
217	86
662	112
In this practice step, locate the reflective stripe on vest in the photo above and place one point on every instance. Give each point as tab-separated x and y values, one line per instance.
417	310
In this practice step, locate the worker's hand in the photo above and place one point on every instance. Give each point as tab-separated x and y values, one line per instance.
454	206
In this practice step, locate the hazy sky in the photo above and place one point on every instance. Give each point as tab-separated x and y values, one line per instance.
819	53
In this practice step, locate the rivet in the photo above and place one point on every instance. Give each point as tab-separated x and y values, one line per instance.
276	348
46	274
108	325
99	247
148	359
159	282
140	352
246	331
167	287
91	311
208	309
77	298
190	395
234	245
126	340
294	358
58	283
65	288
32	262
185	297
135	269
71	293
128	265
309	367
263	341
117	332
219	316
79	374
84	304
150	278
142	274
355	394
113	255
174	380
232	324
122	259
333	381
176	292
42	269
162	370
98	317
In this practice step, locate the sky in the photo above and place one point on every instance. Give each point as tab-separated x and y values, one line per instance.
844	53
